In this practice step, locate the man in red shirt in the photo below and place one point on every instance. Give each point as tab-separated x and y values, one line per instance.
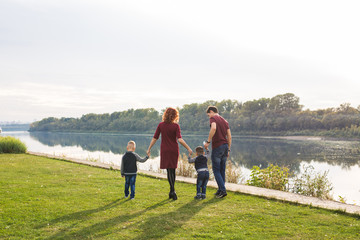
220	136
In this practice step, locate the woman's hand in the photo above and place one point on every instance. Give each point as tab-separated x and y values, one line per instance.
153	141
190	152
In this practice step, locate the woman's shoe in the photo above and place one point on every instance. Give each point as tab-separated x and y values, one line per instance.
174	196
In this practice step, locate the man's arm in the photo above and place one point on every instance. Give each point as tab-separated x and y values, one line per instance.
211	134
228	136
139	159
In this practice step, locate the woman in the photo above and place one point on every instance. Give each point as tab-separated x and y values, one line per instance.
169	148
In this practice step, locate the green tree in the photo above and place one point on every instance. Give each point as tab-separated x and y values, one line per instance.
285	102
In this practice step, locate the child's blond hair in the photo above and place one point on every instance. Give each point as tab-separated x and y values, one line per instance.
132	144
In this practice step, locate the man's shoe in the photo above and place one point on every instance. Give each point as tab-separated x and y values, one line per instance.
217	192
203	196
197	197
221	195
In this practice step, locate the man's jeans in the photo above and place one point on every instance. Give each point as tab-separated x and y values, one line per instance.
218	159
201	182
130	182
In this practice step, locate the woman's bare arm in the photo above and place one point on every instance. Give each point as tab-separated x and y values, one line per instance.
182	142
153	141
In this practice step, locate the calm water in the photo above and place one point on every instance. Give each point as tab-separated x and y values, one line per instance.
340	158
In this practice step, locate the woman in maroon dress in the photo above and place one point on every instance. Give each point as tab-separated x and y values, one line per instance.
169	148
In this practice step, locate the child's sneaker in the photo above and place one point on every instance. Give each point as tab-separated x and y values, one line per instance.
197	197
126	196
132	198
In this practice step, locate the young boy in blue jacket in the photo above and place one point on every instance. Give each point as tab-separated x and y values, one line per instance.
129	168
202	172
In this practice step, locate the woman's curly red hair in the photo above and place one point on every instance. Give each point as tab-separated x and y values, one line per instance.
170	115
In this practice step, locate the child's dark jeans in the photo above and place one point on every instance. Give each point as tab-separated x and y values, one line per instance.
130	182
201	182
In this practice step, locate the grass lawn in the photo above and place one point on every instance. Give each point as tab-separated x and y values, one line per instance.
43	198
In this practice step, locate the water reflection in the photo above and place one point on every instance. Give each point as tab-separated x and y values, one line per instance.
97	142
246	151
262	152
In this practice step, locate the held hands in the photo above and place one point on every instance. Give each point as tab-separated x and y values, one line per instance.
206	145
190	152
148	152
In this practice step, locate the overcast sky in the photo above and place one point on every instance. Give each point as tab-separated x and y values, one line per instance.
68	58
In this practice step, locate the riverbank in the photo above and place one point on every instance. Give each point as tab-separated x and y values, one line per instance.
341	159
255	191
52	199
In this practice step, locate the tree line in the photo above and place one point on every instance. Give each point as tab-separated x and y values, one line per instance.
279	115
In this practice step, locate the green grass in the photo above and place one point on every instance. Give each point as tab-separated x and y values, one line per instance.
43	198
11	145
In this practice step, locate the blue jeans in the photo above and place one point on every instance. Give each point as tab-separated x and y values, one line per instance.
130	182
218	159
201	182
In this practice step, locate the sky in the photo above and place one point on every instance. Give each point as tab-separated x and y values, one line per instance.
72	57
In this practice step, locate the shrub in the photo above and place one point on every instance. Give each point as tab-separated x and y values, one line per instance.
233	173
11	145
314	184
273	177
185	168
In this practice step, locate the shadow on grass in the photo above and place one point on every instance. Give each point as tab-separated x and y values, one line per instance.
155	226
159	226
79	215
97	229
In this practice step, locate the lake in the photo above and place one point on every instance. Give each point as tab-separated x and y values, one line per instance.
340	158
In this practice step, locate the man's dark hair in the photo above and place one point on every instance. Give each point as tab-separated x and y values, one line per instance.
199	150
212	108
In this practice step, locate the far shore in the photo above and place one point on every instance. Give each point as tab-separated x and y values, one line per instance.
299	138
187	133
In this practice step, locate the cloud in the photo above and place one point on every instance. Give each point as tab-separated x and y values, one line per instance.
67	58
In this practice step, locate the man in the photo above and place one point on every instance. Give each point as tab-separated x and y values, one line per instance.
220	136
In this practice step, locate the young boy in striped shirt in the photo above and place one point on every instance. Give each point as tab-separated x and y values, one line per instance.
129	168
